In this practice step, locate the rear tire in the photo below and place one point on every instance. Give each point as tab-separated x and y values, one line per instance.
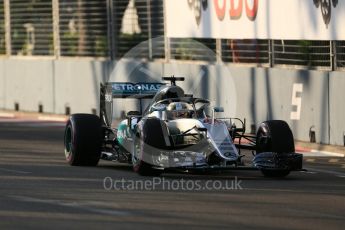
83	139
275	136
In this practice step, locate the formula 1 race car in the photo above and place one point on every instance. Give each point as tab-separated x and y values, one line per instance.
175	133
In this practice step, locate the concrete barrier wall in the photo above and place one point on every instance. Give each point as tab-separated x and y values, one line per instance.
28	83
2	84
337	107
54	84
77	84
258	93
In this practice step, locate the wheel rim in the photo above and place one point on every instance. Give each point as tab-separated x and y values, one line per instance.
68	142
261	139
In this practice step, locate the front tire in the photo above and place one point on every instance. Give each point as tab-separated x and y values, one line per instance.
139	165
83	139
275	136
149	139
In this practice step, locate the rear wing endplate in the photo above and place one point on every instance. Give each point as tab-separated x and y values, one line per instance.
111	90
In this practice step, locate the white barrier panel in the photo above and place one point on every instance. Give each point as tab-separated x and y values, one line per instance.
263	19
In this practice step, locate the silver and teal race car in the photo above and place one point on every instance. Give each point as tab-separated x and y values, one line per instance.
175	132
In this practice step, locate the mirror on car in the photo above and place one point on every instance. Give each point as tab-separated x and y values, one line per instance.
133	117
133	114
133	121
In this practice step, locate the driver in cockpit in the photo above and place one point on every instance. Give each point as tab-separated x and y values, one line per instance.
177	110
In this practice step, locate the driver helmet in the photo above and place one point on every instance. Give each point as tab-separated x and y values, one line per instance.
180	110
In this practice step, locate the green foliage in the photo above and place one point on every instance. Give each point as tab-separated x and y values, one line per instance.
128	41
70	43
305	50
183	49
2	38
101	46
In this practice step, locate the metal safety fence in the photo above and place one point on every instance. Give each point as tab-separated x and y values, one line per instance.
83	28
193	49
31	25
252	51
310	54
112	28
137	22
340	55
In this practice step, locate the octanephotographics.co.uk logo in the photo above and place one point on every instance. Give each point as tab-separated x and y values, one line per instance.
160	183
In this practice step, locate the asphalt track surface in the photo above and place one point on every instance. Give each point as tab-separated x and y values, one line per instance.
38	190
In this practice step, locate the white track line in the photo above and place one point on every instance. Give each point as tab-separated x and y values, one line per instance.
333	160
335	173
310	160
318	153
7	115
14	171
50	118
73	204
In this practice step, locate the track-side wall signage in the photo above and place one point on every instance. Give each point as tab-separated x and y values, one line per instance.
263	19
296	101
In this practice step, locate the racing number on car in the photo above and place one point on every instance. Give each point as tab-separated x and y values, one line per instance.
296	101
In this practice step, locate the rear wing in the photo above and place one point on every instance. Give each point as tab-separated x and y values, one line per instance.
112	90
134	90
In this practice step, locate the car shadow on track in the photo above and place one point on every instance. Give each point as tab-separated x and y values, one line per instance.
254	175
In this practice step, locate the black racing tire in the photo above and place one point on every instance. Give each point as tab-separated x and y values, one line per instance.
152	136
83	140
275	136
